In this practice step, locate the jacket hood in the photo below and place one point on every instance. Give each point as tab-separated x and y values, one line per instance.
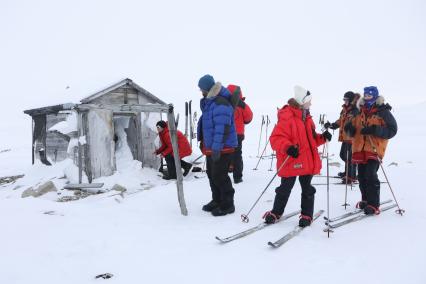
234	89
379	103
292	109
215	90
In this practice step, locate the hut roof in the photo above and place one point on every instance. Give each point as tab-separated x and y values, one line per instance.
123	83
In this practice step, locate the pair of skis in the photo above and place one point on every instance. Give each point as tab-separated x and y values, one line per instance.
190	121
263	225
331	223
353	216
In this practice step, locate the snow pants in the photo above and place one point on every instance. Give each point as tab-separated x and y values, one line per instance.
346	156
369	183
171	166
237	159
220	183
282	193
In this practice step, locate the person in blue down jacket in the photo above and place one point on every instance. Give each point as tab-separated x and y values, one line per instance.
218	139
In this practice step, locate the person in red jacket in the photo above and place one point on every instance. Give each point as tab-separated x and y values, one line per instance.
242	116
166	150
294	137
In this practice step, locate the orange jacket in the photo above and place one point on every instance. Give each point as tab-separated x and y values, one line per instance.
348	111
366	147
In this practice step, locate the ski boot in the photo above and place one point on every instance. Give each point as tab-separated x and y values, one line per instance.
304	220
270	218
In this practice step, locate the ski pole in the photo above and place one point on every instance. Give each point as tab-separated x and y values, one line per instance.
260	158
260	135
346	182
272	159
244	217
266	129
328	229
186	119
399	210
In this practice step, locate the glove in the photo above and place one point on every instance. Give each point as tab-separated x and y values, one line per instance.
327	135
332	126
293	151
369	130
350	129
215	156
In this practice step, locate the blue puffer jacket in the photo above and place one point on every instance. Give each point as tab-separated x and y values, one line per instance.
216	127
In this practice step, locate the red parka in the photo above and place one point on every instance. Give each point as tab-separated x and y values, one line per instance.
242	114
292	129
166	144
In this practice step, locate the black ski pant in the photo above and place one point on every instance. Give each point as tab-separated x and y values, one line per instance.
237	160
346	156
284	190
220	183
171	166
369	183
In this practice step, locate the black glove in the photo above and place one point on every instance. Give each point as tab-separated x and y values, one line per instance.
215	156
369	130
332	126
327	135
293	151
350	129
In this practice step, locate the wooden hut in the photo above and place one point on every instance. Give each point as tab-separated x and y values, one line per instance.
92	144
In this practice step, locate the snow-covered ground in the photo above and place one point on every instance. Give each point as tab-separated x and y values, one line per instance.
141	237
62	51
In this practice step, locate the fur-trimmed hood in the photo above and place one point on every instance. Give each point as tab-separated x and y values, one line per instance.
215	90
292	102
379	103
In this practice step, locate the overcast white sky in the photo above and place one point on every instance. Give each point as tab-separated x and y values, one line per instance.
267	47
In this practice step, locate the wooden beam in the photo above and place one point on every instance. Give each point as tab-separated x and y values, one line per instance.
179	180
83	185
80	148
129	107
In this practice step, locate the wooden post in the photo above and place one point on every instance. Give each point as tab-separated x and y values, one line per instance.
32	138
179	176
80	149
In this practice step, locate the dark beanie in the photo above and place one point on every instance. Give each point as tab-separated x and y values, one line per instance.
349	95
162	124
206	82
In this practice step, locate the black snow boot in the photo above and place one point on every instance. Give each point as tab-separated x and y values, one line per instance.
341	174
304	220
218	211
270	218
186	169
361	204
210	206
371	210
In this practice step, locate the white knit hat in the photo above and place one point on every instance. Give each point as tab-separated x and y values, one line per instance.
301	95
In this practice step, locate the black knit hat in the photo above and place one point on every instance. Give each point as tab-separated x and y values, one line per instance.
349	95
162	124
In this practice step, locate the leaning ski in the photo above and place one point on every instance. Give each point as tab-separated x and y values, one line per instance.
356	211
292	233
359	217
254	229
